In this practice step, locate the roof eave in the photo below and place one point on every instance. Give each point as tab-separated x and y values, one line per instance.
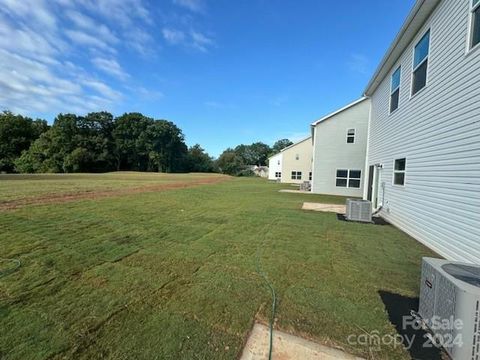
415	20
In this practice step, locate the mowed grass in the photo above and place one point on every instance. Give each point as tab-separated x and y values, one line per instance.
172	274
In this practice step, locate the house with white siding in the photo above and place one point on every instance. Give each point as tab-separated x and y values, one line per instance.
293	164
423	153
339	150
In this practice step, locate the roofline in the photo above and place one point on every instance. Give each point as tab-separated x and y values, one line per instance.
346	107
290	146
420	11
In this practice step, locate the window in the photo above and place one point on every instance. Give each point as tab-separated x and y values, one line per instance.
296	175
395	90
278	175
310	176
350	136
297	157
475	23
348	178
399	172
420	63
278	162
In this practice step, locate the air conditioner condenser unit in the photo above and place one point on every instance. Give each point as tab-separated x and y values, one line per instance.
358	210
450	306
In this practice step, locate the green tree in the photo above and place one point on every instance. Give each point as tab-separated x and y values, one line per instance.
17	133
280	145
199	161
254	154
229	162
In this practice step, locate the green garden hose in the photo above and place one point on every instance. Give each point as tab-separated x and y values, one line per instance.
274	300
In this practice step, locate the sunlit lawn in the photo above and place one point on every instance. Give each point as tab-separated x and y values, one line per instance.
171	274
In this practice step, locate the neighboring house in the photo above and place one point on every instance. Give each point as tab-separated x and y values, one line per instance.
275	166
339	150
293	164
423	153
261	171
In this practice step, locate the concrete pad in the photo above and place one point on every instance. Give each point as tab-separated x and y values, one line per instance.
339	209
294	191
288	347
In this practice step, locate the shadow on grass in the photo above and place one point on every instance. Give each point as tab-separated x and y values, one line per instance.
399	306
376	220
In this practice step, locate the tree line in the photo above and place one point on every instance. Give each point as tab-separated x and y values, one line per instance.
100	142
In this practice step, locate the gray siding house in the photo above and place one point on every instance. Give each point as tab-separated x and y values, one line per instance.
339	150
423	154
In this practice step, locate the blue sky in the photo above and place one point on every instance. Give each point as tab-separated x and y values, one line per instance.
226	72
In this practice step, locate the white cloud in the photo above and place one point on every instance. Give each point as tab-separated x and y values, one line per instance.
192	5
192	39
173	36
111	67
43	43
201	41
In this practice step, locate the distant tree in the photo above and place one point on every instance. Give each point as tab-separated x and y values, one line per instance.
130	136
280	145
17	133
254	154
199	161
229	162
166	146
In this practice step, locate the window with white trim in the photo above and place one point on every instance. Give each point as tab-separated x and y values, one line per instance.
350	136
297	157
310	176
348	178
475	31
395	89
399	171
420	63
296	175
278	174
278	162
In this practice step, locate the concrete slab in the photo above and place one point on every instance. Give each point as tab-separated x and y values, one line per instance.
339	209
288	347
294	191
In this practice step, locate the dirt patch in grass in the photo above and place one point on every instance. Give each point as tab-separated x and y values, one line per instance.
73	196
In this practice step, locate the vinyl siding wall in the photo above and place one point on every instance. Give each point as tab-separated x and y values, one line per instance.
331	151
303	164
274	166
438	131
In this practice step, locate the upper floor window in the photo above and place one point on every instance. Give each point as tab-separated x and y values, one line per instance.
420	63
278	162
399	171
350	136
475	22
395	90
297	157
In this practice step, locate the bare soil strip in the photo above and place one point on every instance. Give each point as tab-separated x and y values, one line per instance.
67	197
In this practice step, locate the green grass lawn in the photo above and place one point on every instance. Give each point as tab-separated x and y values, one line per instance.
171	274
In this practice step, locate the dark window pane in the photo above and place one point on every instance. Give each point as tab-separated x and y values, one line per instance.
420	77
355	174
351	132
354	183
350	139
400	164
342	182
396	79
342	173
421	49
399	179
476	27
394	100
